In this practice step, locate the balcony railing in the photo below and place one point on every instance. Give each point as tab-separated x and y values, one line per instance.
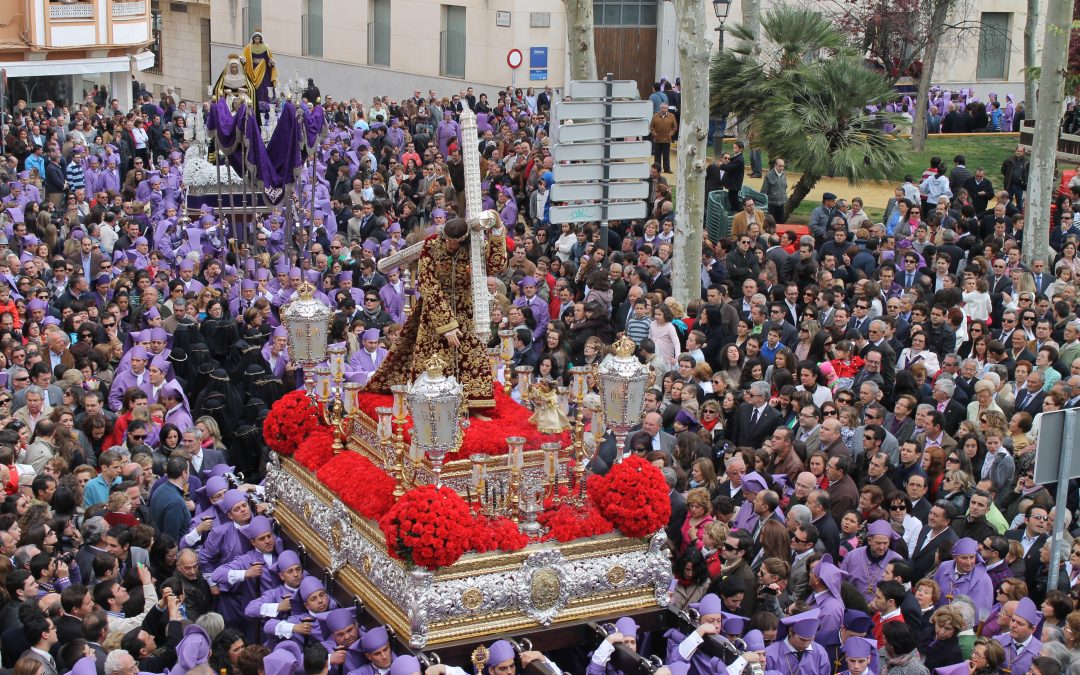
125	9
75	10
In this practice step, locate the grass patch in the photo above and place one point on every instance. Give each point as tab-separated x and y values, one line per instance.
985	150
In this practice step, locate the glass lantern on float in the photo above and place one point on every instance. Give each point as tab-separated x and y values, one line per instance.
307	321
623	381
435	403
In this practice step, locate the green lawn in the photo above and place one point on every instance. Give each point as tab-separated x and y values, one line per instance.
985	150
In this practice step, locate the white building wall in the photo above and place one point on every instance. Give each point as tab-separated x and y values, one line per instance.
342	71
184	68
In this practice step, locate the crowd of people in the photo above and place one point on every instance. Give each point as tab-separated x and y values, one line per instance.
847	420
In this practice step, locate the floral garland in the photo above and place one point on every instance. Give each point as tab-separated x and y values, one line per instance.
568	522
428	527
361	485
633	496
317	449
291	419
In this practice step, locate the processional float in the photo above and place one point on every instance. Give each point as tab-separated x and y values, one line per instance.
416	438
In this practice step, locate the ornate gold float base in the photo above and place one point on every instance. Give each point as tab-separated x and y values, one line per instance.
480	596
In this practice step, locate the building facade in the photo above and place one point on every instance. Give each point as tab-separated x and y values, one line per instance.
368	47
181	45
61	51
395	46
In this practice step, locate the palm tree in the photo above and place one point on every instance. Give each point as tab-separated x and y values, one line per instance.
810	97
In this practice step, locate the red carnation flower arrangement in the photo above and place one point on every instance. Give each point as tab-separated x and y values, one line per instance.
498	533
361	485
317	449
633	496
568	522
428	527
292	419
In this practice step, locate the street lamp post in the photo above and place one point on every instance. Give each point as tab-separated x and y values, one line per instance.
721	9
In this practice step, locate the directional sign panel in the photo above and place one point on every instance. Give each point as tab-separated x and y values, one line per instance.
586	152
595	172
594	192
1052	430
581	89
568	133
592	212
588	110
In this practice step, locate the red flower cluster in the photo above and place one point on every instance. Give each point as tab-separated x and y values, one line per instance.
292	419
569	522
316	450
483	436
499	533
633	496
361	485
428	527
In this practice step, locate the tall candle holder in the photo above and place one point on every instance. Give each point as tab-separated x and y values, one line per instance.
385	432
506	347
524	374
515	461
551	467
494	359
478	480
400	413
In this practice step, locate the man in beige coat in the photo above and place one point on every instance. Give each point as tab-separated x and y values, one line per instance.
662	127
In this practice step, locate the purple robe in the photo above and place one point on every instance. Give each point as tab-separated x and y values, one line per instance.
700	662
277	368
1018	664
274	595
448	132
779	656
180	417
393	301
235	596
109	179
224	543
124	380
976	584
832	617
395	136
540	312
364	362
864	573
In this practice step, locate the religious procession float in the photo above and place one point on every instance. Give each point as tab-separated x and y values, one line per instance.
451	527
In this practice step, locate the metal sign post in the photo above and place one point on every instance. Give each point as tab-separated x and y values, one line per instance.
1055	460
601	172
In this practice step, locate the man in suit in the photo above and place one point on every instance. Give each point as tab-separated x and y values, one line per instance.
842	490
756	419
979	189
953	412
809	429
202	459
803	542
118	542
41	635
820	505
1033	533
934	433
76	602
1030	398
657	281
734	470
740	223
661	440
88	260
936	531
734	172
915	488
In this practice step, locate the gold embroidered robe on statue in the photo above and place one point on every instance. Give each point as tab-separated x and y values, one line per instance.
444	287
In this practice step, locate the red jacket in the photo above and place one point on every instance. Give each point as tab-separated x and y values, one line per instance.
879	631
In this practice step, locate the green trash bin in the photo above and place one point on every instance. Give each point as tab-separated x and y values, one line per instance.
760	200
718	216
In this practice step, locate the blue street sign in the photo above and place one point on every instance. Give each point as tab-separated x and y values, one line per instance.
538	74
538	58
